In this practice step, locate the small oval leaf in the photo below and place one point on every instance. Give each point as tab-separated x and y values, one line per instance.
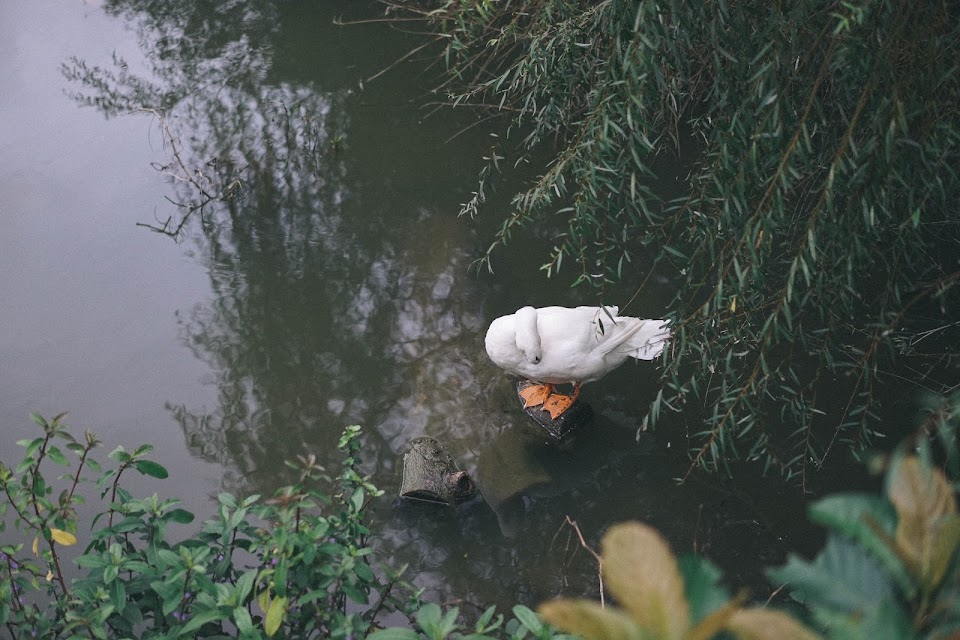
152	469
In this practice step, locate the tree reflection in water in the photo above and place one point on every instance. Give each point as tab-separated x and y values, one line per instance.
341	294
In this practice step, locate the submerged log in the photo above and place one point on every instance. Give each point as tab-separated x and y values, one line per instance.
430	474
566	426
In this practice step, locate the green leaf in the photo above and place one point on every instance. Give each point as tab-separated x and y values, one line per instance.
91	562
118	595
394	633
57	456
245	584
428	617
355	593
170	593
841	578
152	469
133	615
356	500
243	620
179	515
119	455
701	580
363	571
200	619
280	577
871	522
528	618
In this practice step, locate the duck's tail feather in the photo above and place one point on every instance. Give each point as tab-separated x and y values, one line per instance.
641	339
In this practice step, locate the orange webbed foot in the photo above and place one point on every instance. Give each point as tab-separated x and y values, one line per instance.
557	404
535	395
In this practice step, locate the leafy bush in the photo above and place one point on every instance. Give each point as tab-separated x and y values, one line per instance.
890	569
296	565
812	232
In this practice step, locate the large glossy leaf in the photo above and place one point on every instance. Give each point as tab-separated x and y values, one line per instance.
842	578
869	520
924	501
588	619
701	580
767	624
641	572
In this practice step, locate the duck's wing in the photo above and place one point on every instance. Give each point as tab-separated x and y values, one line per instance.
638	338
577	332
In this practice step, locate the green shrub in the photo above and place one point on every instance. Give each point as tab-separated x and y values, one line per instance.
297	565
285	566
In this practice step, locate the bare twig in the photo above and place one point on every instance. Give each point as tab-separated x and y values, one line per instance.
567	521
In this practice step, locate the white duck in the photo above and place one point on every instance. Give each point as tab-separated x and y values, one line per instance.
560	345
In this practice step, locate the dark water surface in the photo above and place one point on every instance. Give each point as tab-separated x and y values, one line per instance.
333	288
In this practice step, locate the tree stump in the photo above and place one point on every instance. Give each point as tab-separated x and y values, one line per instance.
430	474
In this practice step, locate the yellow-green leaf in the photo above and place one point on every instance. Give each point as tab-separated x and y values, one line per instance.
921	496
944	546
62	537
641	572
264	601
767	624
36	546
588	619
278	607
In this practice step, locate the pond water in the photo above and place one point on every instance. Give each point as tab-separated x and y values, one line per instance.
333	287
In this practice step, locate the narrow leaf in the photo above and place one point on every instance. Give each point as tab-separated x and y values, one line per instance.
278	608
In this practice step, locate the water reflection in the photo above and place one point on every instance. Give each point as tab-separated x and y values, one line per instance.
340	294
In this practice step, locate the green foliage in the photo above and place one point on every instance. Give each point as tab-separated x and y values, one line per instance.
663	599
434	624
297	565
294	565
813	239
890	567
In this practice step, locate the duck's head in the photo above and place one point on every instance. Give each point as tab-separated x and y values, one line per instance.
527	334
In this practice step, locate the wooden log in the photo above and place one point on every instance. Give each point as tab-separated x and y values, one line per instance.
430	474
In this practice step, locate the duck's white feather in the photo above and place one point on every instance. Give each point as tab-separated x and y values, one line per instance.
560	345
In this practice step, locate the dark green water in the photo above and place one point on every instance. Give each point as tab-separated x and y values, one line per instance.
333	288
